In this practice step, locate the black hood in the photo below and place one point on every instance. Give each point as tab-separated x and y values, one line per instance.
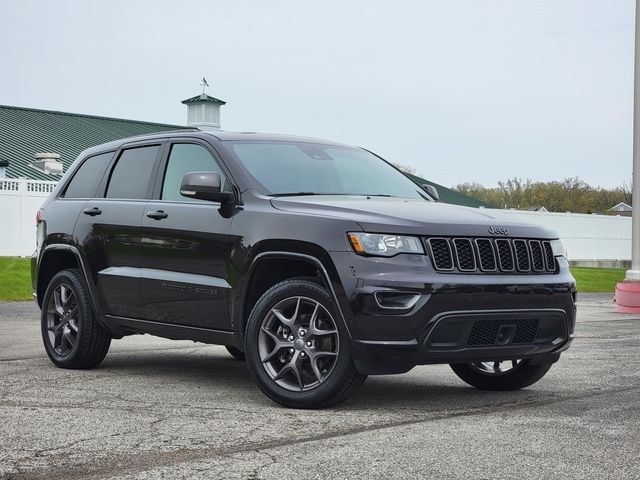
398	215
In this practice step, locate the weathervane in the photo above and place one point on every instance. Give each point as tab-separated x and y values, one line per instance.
204	84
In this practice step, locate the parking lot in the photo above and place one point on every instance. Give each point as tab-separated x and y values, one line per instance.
162	409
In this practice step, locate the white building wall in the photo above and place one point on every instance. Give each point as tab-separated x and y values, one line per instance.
588	237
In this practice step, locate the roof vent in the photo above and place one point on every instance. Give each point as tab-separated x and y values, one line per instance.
48	163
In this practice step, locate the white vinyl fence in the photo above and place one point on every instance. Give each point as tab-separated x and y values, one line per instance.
588	237
20	200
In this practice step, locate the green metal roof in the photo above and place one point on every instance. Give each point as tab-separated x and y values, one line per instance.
450	196
25	131
204	98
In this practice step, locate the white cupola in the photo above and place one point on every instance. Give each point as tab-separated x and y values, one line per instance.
203	112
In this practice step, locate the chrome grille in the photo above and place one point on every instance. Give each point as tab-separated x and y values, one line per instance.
441	253
465	257
505	255
550	259
522	255
486	255
537	258
500	255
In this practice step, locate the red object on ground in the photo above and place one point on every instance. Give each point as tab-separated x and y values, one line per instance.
628	297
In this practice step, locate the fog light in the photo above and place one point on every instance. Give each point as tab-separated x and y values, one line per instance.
396	300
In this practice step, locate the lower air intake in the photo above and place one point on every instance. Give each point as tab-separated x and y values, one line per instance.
487	332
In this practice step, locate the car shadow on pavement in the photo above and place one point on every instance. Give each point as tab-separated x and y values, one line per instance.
424	388
203	364
425	391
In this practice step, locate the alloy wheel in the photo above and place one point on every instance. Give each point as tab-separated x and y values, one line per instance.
62	319
496	368
298	343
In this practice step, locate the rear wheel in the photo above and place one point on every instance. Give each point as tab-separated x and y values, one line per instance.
501	375
71	334
297	350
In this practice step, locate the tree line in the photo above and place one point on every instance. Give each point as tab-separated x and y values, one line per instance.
568	195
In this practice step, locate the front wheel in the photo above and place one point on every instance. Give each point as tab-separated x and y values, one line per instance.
297	350
501	375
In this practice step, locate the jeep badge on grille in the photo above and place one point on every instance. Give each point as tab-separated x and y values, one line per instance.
498	231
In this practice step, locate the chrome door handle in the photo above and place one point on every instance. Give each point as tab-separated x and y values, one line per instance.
157	215
92	212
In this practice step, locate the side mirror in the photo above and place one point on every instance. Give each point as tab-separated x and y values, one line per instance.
432	191
204	186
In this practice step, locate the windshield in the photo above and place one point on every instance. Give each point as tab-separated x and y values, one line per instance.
298	168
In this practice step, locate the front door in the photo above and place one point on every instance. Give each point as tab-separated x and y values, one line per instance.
185	247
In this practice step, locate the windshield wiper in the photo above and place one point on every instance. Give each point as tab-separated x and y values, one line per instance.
295	194
308	194
303	194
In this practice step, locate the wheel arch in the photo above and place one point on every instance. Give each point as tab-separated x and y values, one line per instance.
55	258
261	275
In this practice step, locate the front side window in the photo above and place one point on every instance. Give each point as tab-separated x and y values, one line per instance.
87	177
185	158
131	175
287	168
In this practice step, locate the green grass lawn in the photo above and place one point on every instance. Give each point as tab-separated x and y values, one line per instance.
15	279
597	279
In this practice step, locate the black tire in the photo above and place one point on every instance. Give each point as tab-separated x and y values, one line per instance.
342	379
236	353
91	340
522	375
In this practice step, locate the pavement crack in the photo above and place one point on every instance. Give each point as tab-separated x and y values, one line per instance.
138	462
255	473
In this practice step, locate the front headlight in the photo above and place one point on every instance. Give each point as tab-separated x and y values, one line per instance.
558	248
384	245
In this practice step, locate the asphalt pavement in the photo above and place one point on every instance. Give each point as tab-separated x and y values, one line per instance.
166	409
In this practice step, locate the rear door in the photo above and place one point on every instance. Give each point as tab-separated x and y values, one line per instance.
108	229
82	187
185	246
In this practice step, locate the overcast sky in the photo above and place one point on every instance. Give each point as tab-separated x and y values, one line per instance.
463	90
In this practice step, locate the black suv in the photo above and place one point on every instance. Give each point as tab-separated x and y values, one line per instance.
318	262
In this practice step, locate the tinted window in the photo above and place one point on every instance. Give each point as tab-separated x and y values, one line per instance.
185	158
131	175
86	179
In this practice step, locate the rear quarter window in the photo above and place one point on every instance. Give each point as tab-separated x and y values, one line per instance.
86	179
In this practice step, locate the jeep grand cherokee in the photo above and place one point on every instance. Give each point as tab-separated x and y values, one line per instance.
318	262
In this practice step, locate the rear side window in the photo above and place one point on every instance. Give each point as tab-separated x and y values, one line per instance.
131	175
185	158
86	179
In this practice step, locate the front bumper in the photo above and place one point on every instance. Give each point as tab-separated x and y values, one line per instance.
471	336
454	318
